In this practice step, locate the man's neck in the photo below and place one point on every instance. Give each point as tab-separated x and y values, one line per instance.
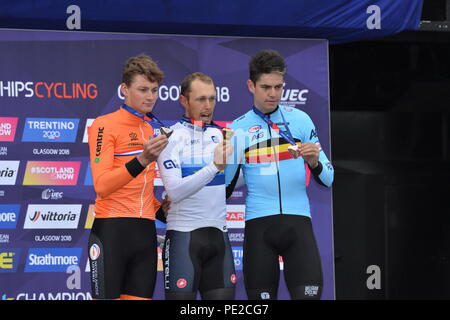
265	110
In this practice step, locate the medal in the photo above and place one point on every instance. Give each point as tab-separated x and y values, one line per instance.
151	119
293	148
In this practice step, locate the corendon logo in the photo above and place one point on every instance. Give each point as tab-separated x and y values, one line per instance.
63	216
42	90
8	129
52	173
235	216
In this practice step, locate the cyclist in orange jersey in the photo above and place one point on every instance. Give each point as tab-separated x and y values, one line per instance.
122	244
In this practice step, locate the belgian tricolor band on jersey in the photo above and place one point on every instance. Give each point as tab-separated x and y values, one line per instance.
275	149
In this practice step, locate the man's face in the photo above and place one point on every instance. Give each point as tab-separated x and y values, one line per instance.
141	95
267	91
200	102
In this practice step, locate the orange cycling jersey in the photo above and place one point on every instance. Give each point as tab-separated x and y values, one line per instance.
115	139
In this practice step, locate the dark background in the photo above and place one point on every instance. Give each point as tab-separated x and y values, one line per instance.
390	119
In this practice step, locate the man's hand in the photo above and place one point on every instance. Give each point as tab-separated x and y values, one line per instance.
222	152
152	149
310	153
165	205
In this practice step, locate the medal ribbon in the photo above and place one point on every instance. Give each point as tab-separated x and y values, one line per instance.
150	118
200	124
286	135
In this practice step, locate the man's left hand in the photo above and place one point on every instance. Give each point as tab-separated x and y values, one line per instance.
310	153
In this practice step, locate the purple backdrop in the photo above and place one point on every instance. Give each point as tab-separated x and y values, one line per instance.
52	84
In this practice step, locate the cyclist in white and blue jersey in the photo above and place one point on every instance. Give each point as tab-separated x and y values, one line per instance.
197	253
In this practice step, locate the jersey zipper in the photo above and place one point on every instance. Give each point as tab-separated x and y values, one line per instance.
145	178
278	171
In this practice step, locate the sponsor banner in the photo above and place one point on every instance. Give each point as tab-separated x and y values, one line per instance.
9	260
8	172
88	177
50	130
86	129
8	128
51	296
235	216
238	253
90	217
63	108
52	216
44	173
52	259
48	90
9	214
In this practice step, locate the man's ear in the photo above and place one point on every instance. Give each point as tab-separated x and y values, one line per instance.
184	101
251	86
124	89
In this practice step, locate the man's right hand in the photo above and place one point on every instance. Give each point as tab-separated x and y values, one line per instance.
222	152
152	149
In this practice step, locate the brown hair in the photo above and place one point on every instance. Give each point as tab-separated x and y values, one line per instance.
266	61
187	81
144	65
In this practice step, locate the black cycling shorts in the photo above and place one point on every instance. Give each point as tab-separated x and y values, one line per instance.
289	236
122	257
198	260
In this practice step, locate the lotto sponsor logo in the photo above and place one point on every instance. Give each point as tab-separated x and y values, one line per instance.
61	216
9	259
52	259
254	129
8	129
51	173
235	216
9	214
48	90
8	172
86	130
50	130
237	255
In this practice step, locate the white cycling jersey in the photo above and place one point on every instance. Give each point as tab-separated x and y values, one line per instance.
193	183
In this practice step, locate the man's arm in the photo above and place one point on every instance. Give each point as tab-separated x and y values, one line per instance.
107	179
314	156
178	187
